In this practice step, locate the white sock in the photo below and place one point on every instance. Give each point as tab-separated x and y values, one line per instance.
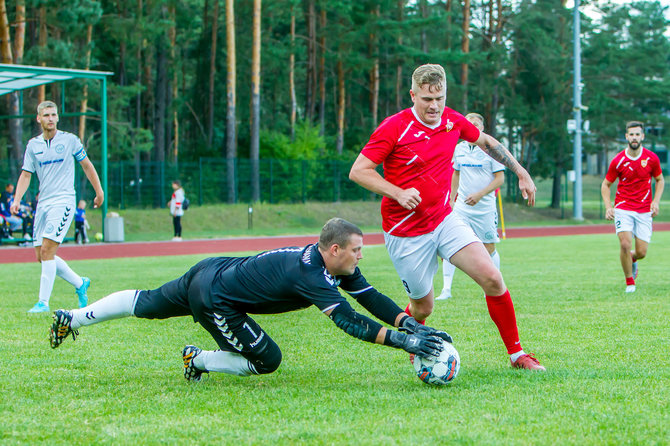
66	273
496	259
115	306
515	356
47	280
448	273
225	362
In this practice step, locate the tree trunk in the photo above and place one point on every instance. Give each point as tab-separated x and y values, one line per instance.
291	76
160	111
448	10
255	102
399	81
212	73
311	60
138	111
175	82
465	48
556	188
231	125
42	42
341	104
423	9
5	44
322	75
84	101
374	71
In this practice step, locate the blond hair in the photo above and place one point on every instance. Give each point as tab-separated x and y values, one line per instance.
475	117
432	75
46	104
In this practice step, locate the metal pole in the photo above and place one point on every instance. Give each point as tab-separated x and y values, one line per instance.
577	109
103	113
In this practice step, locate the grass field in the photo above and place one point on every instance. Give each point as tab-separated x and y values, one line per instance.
121	382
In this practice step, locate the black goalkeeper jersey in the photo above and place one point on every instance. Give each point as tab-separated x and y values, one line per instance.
288	279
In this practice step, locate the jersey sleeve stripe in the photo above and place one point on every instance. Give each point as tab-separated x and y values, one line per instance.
412	160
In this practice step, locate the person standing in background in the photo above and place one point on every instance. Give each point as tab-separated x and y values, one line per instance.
176	209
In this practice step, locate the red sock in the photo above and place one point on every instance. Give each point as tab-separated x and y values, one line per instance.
423	322
630	281
501	310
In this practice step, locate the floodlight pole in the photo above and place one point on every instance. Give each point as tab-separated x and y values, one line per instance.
577	109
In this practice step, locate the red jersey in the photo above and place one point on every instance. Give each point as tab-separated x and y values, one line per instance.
417	156
633	192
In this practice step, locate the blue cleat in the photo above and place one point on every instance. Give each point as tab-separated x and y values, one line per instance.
81	292
40	307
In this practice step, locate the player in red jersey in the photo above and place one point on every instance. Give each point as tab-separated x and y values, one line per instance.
633	207
416	146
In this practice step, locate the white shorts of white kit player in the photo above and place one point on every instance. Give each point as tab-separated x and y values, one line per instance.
485	225
639	223
53	220
415	258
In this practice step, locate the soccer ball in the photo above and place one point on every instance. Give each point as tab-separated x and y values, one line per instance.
441	370
98	236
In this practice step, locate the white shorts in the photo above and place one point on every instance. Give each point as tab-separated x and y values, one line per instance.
53	220
639	223
484	225
415	258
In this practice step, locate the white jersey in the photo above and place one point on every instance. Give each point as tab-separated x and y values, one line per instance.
53	161
476	171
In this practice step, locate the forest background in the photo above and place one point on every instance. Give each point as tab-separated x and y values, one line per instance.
242	83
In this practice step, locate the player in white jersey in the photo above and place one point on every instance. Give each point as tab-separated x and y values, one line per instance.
51	156
475	179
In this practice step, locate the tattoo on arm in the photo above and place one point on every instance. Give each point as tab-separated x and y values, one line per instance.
499	154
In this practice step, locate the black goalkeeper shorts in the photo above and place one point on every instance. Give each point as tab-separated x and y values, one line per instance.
233	330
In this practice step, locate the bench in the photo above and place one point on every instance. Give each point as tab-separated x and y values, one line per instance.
23	241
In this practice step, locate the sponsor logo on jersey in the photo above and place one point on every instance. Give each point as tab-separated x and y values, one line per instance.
419	133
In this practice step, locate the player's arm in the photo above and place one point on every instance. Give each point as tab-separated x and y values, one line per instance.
21	188
455	181
605	193
364	173
92	175
658	192
498	152
498	180
364	328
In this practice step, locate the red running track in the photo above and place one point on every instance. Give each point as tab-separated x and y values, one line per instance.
218	246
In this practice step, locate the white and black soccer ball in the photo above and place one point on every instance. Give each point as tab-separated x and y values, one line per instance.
441	370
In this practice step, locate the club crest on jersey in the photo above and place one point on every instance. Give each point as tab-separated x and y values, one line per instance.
644	162
60	148
449	125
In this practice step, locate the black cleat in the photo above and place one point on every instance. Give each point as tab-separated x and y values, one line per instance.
191	372
61	328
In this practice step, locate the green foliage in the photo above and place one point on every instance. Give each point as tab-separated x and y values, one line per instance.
608	371
308	143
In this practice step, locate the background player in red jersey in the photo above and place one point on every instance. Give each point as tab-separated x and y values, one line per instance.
633	204
416	146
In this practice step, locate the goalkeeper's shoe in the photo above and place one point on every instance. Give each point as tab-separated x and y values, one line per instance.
61	328
191	372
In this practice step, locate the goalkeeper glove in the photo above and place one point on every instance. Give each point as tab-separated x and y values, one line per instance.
411	326
421	344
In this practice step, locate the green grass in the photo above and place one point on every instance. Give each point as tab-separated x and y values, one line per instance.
120	382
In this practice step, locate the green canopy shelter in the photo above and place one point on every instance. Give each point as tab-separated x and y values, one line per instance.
20	77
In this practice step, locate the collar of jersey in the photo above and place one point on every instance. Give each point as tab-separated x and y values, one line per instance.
432	127
630	157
